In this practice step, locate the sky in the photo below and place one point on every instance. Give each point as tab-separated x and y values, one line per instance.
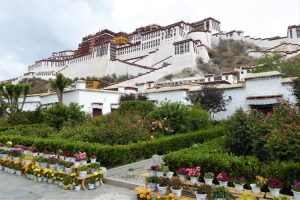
31	30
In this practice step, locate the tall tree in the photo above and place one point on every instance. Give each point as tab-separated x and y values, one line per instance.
10	95
59	85
209	98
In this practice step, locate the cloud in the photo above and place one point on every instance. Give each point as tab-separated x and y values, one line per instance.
33	29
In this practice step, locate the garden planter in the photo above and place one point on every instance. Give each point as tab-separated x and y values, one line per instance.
34	154
151	173
59	168
238	187
72	159
93	160
162	190
200	196
56	182
151	186
50	181
76	164
43	165
255	189
12	171
83	162
223	184
39	179
77	188
170	175
274	192
52	166
68	159
159	174
177	193
16	158
45	179
208	181
18	173
82	173
94	170
194	180
4	155
60	184
68	170
296	195
62	157
71	187
25	162
91	186
182	178
97	183
1	167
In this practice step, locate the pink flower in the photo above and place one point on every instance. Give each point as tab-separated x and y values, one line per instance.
193	172
223	177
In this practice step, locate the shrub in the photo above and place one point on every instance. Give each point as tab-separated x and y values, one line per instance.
35	130
172	118
29	117
111	156
140	107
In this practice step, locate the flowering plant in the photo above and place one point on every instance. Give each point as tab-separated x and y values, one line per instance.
209	175
182	171
1	145
81	156
296	186
93	157
98	175
154	167
223	177
68	153
260	181
16	152
239	180
193	172
274	183
9	143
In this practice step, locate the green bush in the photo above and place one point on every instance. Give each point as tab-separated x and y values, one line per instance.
111	156
35	130
28	117
140	107
172	118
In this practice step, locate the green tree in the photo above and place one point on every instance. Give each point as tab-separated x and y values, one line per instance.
270	62
10	95
59	85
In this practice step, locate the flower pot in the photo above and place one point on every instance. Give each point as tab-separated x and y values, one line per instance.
16	158
182	178
97	183
68	159
200	196
18	173
208	181
71	187
93	160
255	189
12	171
1	167
238	187
52	166
4	155
296	195
59	168
177	193
43	165
170	175
194	180
151	186
72	159
77	188
45	179
82	173
274	192
162	190
91	186
50	180
60	184
39	179
83	162
151	172
62	157
68	170
159	174
223	184
76	164
56	182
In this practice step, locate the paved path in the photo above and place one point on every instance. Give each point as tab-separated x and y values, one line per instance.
13	187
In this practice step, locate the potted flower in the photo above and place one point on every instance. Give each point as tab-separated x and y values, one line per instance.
67	182
259	182
98	177
37	171
160	171
52	162
274	185
50	176
60	178
60	165
68	156
82	171
95	167
152	182
81	157
202	191
68	167
182	172
296	190
91	183
76	184
42	161
194	174
223	179
208	178
152	170
17	167
219	193
16	153
238	182
93	159
176	187
162	185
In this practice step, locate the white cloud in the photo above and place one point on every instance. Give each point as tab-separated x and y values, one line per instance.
32	29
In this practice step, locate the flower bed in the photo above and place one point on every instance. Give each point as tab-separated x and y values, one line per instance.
112	156
49	168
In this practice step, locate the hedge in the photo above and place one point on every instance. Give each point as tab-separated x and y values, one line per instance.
111	156
212	157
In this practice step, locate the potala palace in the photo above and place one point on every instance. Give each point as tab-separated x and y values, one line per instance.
152	52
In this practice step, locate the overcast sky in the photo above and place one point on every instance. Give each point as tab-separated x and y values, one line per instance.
32	29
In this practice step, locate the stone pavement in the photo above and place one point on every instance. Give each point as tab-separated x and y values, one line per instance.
13	187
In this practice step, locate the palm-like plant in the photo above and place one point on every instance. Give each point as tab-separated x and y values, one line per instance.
59	85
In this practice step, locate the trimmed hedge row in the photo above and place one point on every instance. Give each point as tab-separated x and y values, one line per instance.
111	156
211	156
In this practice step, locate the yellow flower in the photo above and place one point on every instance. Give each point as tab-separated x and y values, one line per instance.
157	197
148	197
142	196
148	190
